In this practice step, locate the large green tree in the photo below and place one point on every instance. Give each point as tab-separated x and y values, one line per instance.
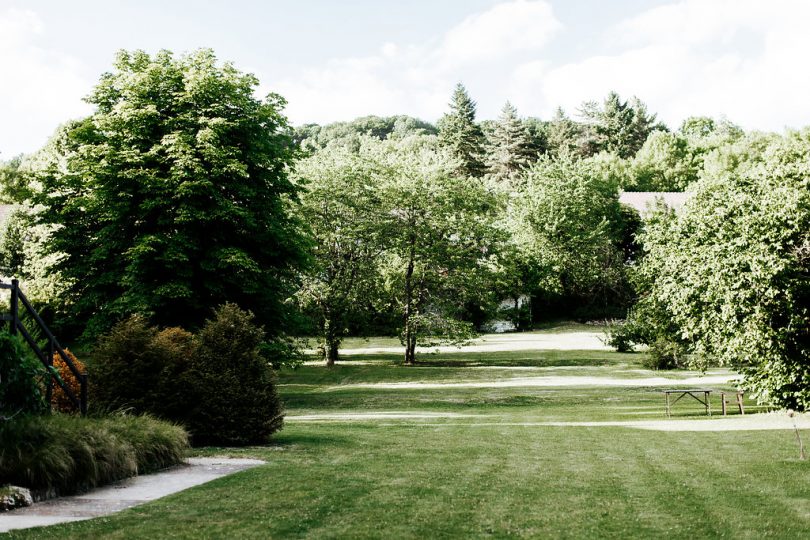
459	132
347	217
733	270
442	237
570	220
173	196
510	148
618	126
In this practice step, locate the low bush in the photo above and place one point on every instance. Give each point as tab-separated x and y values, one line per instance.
131	366
217	383
67	454
21	378
234	387
619	335
59	398
665	353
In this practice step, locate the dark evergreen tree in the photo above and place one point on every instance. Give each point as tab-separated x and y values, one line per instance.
509	146
459	132
620	127
564	136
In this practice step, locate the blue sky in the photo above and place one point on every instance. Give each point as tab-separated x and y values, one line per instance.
335	60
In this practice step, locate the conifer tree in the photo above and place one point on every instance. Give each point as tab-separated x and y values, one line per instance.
459	132
510	148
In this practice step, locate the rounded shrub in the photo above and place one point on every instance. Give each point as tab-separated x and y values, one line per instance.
665	353
138	367
236	402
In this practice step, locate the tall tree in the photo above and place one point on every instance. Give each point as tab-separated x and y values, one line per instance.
570	220
347	218
620	127
442	234
173	196
565	136
733	270
459	132
509	147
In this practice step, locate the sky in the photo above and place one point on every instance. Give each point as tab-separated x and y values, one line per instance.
337	60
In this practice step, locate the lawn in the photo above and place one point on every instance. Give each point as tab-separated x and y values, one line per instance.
469	456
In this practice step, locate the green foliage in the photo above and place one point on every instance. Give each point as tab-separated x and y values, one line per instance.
618	336
619	127
348	135
138	367
666	162
461	135
510	148
21	378
12	243
441	235
566	137
217	383
347	218
234	388
665	353
14	182
173	196
70	453
733	269
571	221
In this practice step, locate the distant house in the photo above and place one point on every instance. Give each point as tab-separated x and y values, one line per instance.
644	201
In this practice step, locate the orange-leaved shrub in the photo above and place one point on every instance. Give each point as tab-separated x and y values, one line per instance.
59	398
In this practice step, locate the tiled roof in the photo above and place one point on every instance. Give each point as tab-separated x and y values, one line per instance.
643	201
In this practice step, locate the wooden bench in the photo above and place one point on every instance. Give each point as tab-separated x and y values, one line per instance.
739	400
699	394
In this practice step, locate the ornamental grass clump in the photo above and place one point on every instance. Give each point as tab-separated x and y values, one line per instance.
68	453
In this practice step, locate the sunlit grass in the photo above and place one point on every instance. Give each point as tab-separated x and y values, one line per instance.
477	472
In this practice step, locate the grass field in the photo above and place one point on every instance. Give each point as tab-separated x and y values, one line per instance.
457	447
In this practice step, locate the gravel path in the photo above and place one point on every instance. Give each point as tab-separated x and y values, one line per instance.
519	341
550	381
749	422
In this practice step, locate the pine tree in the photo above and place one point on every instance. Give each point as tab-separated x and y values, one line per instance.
459	132
510	148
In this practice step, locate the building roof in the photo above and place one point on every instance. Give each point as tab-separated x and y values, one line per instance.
643	201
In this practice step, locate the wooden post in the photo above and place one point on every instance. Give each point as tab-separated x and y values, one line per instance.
669	413
15	307
723	402
740	402
83	395
49	364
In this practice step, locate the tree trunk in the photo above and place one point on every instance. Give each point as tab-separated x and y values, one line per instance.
410	337
331	348
331	342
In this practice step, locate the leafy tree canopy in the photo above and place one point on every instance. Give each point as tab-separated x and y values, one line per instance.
733	270
173	196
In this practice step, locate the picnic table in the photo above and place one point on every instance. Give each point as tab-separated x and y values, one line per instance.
700	394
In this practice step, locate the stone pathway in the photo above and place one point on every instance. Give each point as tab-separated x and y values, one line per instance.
124	494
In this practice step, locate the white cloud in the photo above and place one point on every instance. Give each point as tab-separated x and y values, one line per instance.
39	87
741	58
417	79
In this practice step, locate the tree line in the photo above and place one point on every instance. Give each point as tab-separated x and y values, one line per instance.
183	191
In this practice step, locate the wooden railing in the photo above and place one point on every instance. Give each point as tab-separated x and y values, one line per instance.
53	347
